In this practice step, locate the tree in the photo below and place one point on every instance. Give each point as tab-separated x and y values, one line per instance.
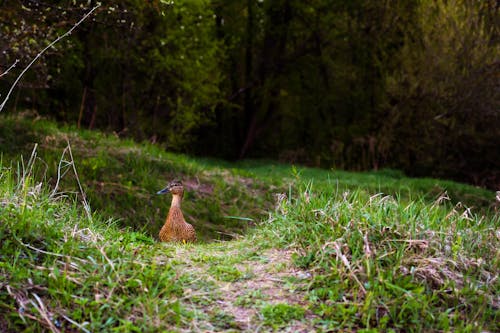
444	119
147	69
354	84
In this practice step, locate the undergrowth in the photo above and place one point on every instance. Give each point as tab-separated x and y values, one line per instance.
378	262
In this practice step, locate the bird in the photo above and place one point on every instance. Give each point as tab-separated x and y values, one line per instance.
176	229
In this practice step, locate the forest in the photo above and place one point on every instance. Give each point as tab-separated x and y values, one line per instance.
344	84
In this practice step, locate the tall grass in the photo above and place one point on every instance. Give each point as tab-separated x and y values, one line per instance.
63	270
382	263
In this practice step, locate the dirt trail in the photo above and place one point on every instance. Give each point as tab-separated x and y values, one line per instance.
234	305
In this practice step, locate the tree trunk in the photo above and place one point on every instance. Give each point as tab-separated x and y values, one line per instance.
270	70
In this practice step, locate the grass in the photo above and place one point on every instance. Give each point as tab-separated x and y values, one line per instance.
59	268
280	314
386	181
121	178
332	251
381	263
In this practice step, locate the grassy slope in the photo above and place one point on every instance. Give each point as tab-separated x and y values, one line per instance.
121	178
331	254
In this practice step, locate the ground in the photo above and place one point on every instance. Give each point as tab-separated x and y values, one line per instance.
232	285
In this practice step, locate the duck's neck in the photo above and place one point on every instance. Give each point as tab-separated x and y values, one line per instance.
176	201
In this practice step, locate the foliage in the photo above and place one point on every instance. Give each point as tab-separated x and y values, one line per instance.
134	67
355	85
25	32
443	118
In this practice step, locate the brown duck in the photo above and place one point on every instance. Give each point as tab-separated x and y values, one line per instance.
176	229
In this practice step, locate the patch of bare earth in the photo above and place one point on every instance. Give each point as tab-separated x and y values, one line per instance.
266	281
270	278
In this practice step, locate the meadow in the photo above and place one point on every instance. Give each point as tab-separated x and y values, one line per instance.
282	247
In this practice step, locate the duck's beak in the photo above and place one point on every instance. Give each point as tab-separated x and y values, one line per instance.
165	190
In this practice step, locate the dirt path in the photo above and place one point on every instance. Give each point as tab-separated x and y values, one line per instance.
230	287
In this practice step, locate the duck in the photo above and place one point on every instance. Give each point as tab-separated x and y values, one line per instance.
176	229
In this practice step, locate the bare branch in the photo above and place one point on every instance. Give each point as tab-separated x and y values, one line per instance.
67	33
8	69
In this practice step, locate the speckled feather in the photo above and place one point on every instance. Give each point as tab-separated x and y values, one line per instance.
176	229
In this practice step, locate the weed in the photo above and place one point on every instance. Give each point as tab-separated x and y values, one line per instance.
277	315
226	273
249	299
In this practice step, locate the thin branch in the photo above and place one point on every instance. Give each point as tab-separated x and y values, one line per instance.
8	69
43	51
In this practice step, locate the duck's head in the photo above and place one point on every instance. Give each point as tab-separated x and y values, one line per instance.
175	187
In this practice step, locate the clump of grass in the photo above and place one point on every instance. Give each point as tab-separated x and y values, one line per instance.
277	315
386	263
226	273
63	270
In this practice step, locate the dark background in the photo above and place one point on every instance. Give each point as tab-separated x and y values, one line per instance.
350	84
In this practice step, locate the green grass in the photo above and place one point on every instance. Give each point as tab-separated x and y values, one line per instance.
57	267
277	315
385	181
383	263
333	251
121	178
